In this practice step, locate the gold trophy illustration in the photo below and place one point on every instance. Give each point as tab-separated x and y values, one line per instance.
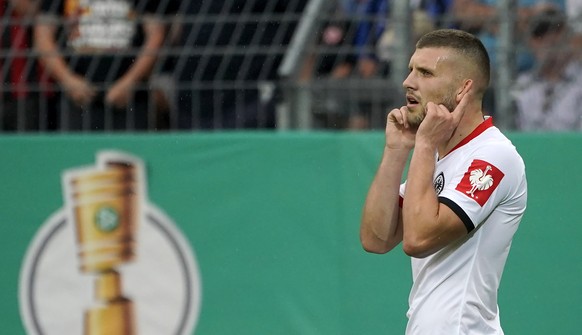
105	205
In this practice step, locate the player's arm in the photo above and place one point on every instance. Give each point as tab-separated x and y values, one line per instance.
381	226
428	224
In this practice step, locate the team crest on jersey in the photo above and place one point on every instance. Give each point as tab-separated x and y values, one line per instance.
439	183
480	180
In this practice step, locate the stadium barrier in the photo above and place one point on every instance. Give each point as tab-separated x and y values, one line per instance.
247	233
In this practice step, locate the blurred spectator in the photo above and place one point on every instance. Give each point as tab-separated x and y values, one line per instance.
426	16
440	12
353	33
22	107
363	27
163	83
334	43
480	17
101	53
370	17
220	86
574	13
549	97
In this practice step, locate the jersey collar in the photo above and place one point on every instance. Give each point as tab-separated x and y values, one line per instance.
486	124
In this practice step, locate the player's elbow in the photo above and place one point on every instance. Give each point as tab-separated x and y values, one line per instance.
374	245
418	238
416	248
375	248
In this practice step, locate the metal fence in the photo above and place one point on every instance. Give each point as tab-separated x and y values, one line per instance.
223	64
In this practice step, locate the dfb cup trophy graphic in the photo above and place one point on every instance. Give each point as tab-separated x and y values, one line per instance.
109	262
106	210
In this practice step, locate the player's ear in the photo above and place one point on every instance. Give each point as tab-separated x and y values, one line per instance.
464	89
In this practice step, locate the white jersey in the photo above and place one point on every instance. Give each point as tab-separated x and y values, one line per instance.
454	290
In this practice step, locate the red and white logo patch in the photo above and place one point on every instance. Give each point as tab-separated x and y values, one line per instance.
480	180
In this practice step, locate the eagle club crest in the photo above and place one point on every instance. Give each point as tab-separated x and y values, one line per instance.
439	183
480	180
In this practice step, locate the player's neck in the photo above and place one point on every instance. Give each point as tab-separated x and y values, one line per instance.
470	121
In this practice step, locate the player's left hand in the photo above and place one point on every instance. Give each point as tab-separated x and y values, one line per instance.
440	123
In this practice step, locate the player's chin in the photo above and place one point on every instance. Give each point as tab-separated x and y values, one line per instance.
416	109
415	117
414	122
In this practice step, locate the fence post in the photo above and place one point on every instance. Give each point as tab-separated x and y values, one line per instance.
296	95
400	18
505	69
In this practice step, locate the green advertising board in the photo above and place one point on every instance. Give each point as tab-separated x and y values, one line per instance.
246	233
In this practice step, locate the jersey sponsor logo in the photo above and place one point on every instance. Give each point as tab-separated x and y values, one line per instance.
480	180
439	183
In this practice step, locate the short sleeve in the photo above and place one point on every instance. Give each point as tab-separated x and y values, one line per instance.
480	184
401	193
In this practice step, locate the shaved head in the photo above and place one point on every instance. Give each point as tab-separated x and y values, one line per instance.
473	62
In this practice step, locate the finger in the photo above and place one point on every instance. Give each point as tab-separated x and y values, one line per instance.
395	117
467	96
404	115
431	108
443	110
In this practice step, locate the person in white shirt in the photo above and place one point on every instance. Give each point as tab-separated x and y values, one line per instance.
465	191
574	13
549	97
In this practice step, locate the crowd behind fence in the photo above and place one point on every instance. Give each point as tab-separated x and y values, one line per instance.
169	65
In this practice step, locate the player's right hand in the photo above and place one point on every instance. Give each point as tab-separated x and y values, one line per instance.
399	134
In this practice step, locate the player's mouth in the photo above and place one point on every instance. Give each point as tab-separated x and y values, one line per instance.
411	101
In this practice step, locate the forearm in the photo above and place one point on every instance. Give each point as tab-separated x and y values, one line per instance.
381	228
144	63
421	207
50	56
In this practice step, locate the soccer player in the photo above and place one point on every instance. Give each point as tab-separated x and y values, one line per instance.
464	195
